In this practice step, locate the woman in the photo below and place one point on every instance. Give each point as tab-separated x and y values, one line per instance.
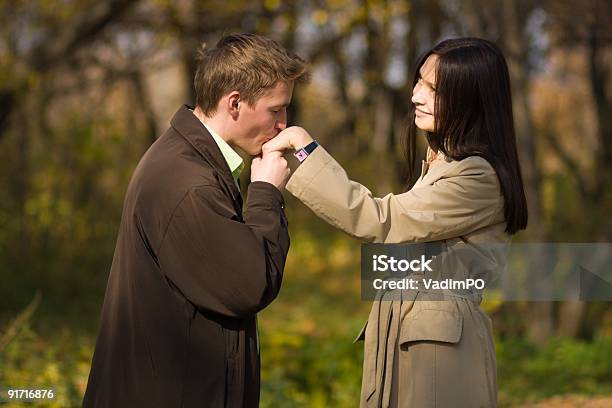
437	352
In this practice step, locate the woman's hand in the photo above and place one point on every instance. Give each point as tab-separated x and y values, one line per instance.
293	137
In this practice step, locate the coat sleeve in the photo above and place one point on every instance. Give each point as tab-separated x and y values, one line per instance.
219	263
465	199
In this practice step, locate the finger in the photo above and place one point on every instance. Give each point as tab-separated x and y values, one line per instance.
271	146
268	147
273	155
280	142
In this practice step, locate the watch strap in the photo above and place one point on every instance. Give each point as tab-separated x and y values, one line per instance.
304	152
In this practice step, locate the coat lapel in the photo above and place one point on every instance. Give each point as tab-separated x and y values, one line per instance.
189	126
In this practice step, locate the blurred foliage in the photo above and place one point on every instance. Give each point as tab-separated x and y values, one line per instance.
87	86
58	361
564	366
308	355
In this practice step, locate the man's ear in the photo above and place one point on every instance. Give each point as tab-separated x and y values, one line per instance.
233	104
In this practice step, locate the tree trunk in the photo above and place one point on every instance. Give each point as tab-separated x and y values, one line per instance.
540	317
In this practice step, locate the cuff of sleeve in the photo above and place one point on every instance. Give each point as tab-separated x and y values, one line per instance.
265	195
306	172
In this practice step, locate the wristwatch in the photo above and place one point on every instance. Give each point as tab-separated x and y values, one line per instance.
304	152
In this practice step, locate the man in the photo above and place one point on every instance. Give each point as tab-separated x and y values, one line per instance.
189	273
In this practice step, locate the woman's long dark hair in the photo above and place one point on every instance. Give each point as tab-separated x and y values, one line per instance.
473	116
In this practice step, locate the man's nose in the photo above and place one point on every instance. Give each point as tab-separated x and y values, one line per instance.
281	124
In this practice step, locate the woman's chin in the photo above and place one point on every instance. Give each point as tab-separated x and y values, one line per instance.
426	127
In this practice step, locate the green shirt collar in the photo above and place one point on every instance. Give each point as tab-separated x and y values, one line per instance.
233	159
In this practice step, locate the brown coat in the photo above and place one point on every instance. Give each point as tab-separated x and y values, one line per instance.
437	351
188	276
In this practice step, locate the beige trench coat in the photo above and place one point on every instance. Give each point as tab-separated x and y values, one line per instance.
429	349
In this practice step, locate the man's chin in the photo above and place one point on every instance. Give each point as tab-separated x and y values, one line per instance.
255	151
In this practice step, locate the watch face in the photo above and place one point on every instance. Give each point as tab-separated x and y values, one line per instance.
301	154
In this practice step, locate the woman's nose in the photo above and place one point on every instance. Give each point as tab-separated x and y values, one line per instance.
417	95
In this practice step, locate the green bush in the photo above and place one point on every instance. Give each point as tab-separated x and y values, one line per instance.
564	366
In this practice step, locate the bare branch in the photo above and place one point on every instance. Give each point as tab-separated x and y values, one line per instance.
566	159
93	23
19	321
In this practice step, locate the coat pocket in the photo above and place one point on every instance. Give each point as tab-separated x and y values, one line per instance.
433	325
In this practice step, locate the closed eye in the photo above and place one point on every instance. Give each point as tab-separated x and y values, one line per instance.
277	110
427	84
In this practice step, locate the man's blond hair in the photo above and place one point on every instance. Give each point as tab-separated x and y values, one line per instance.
248	63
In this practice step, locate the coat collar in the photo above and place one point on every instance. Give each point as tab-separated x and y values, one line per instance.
190	127
439	156
437	167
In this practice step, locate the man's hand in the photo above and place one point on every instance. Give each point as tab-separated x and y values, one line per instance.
293	137
271	168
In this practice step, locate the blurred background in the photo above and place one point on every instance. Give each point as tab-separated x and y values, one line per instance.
86	86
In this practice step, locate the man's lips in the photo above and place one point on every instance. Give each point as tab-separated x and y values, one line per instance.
268	138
